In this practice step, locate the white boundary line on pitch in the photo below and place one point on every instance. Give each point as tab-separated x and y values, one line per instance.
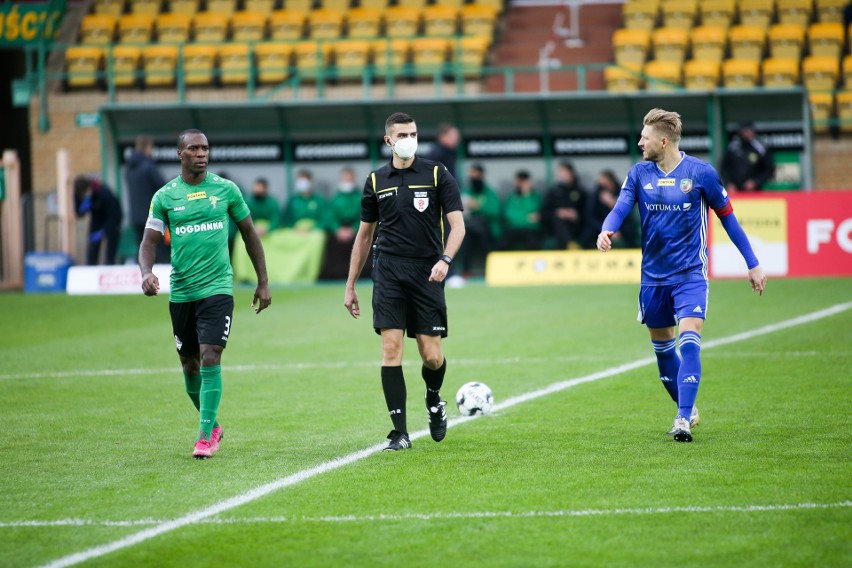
298	477
448	516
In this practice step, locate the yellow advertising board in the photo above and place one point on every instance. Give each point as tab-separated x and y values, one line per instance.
764	220
530	268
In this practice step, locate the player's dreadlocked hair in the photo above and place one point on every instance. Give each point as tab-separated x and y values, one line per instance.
666	122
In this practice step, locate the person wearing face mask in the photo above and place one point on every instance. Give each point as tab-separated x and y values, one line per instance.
264	208
481	221
344	216
305	210
405	199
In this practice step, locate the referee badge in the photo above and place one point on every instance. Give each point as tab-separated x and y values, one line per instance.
686	185
421	200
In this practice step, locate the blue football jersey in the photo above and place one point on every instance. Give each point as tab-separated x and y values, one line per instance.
673	212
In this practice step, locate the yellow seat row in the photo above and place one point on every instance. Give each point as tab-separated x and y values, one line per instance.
399	21
632	46
825	106
646	14
815	72
157	64
117	8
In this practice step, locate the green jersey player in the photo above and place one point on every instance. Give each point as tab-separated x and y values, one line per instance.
195	207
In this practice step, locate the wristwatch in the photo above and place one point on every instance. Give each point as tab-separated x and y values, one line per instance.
447	258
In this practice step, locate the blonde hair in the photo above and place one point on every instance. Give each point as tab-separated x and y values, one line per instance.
666	122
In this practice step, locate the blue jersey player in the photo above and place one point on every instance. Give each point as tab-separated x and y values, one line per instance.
673	192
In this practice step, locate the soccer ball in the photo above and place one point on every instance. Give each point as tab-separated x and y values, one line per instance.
474	398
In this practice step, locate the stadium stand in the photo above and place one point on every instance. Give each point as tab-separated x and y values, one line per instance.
135	28
477	19
830	10
701	74
264	7
273	61
147	7
114	8
718	13
820	73
188	7
97	29
638	15
679	13
631	46
287	25
225	7
844	110
622	79
210	27
82	63
173	28
429	54
440	20
363	23
159	63
234	65
325	24
709	43
826	39
351	57
822	109
786	41
248	26
199	64
670	44
390	55
780	72
125	64
747	42
740	73
402	21
757	13
797	12
663	75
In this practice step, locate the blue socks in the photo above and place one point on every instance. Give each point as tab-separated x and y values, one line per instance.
668	362
690	372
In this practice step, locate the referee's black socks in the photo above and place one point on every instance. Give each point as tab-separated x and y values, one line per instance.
434	379
393	384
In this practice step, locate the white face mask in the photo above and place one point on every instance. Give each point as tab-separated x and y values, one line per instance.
303	185
347	187
405	148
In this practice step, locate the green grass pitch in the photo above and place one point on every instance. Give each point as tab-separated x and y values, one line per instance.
97	434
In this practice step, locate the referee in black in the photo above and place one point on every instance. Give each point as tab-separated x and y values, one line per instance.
406	198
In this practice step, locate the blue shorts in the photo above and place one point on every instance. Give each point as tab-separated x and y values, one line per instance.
660	305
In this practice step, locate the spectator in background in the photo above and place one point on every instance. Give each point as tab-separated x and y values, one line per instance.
521	216
265	209
563	208
95	198
305	211
445	148
344	218
143	180
747	164
606	194
481	220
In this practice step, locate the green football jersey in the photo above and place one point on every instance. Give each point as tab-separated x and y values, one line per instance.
197	218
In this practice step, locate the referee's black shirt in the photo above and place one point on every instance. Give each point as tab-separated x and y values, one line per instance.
408	204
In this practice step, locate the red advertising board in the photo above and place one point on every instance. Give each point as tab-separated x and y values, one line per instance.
820	233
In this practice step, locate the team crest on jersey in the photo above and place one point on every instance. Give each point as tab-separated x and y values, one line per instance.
421	200
214	200
686	185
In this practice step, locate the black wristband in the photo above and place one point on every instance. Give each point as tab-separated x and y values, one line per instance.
446	258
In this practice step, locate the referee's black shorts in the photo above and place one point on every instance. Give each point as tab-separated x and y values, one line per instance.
403	297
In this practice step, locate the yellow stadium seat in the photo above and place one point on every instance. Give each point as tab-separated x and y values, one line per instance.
795	11
311	58
819	73
188	7
428	55
469	54
401	21
830	10
701	74
149	7
389	56
363	23
351	57
640	15
135	28
248	26
740	73
709	43
234	63
440	20
747	42
826	39
622	79
496	4
786	41
419	4
259	6
173	28
286	25
759	13
304	6
847	71
338	5
114	8
670	44
125	64
210	27
844	110
822	110
97	29
325	24
82	63
158	63
679	13
199	64
457	4
663	75
273	61
780	72
379	5
718	13
225	7
631	46
478	20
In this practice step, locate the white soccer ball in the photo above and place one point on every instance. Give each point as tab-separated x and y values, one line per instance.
474	398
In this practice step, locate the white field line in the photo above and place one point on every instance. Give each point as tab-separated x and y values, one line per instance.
266	489
447	515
